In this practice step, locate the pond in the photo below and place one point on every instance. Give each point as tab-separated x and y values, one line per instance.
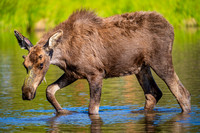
122	98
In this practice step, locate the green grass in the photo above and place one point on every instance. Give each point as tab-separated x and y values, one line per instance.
24	14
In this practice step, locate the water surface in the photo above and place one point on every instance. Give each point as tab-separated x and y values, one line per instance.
122	98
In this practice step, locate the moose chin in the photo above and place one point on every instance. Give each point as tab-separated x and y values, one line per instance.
86	46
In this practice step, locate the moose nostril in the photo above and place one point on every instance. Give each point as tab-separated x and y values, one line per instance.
26	97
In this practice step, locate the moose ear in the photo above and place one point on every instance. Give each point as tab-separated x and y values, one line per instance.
24	43
54	39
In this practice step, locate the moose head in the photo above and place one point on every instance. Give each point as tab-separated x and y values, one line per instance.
36	62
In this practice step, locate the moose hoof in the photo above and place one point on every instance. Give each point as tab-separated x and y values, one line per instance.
63	111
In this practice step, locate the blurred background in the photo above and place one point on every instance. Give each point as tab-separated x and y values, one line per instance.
30	15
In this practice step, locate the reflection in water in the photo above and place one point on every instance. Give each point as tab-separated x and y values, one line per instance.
54	124
96	123
179	123
150	122
176	123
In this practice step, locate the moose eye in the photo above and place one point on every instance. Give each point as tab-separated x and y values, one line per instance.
41	65
40	56
24	56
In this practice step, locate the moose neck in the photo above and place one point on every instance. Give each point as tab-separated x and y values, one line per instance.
58	58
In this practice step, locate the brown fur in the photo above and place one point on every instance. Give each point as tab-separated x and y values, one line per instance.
95	48
102	42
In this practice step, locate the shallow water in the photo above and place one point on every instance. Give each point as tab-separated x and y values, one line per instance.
122	98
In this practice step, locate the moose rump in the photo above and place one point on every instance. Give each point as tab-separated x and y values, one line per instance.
89	47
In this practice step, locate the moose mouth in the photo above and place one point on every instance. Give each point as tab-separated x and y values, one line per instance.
28	96
29	93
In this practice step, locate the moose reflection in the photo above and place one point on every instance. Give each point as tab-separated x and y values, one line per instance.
151	121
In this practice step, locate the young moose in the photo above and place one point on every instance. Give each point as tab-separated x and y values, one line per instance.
89	47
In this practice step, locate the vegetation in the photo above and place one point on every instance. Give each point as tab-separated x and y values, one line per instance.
24	14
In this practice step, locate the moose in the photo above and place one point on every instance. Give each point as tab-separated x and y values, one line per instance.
86	46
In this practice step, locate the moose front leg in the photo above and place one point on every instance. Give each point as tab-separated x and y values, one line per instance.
95	84
63	81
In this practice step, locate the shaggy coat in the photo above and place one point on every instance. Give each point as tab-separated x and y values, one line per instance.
90	47
117	45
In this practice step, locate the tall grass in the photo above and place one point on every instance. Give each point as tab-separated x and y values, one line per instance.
24	14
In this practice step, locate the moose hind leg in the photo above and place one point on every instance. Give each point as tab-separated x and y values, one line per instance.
166	72
151	90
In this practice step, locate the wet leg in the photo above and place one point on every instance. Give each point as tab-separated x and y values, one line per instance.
63	81
151	91
95	84
166	72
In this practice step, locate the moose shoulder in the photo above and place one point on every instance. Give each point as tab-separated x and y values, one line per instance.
87	46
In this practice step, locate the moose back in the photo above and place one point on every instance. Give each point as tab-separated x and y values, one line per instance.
86	46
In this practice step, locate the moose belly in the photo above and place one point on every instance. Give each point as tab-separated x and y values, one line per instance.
122	71
126	64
